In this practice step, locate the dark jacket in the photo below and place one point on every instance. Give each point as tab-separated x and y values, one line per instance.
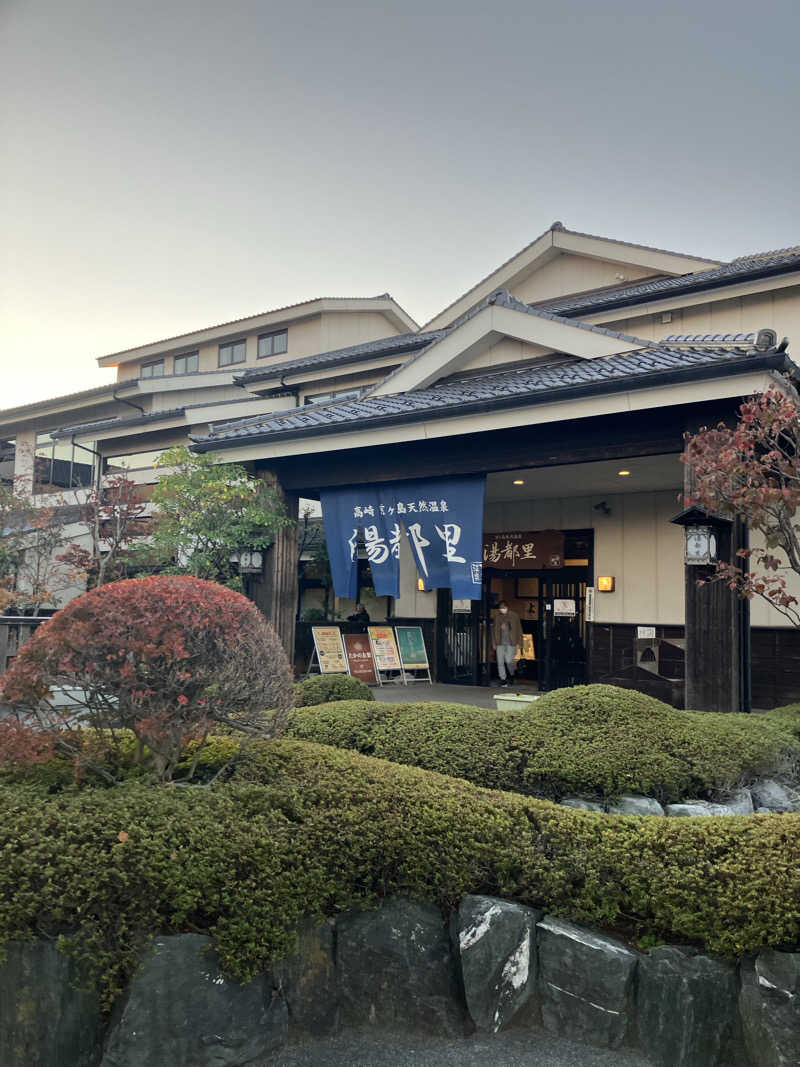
514	625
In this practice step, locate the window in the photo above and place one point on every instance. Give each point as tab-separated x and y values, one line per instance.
334	394
61	464
153	370
273	344
187	364
233	352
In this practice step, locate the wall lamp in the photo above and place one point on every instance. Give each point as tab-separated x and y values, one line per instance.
606	583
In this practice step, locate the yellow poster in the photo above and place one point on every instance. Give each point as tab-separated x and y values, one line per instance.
330	653
384	648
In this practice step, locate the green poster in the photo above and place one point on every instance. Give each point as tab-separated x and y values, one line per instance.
412	647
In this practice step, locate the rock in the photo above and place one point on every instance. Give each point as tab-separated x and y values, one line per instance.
741	803
496	943
581	802
585	983
686	1008
397	971
633	805
181	1011
44	1020
769	1004
308	982
773	796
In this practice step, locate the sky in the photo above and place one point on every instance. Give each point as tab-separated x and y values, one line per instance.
171	164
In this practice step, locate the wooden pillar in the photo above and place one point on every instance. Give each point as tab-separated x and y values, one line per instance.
276	593
717	629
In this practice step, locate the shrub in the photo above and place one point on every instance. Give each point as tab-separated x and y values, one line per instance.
595	740
323	688
304	829
787	718
163	656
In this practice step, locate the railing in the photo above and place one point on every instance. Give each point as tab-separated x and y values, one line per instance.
15	630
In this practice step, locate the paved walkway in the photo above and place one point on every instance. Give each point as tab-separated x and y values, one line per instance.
479	695
534	1049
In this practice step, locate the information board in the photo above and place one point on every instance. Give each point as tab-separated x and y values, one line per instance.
411	644
384	648
359	658
563	607
328	645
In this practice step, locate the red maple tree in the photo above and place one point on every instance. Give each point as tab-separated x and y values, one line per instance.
166	657
752	471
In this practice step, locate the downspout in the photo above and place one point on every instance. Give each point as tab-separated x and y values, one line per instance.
130	403
288	389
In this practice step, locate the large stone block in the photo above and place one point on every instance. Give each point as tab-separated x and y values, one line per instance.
635	805
585	983
181	1011
686	1008
397	971
741	803
583	803
496	943
308	982
769	1003
44	1020
773	796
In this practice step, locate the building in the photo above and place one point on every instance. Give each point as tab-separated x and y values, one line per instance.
567	376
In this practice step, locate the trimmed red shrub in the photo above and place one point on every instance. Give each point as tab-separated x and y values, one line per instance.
165	657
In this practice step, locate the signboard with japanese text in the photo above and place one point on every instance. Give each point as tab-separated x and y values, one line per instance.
328	645
563	607
384	648
411	644
441	517
359	658
524	550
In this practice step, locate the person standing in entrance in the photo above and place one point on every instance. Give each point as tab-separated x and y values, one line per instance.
506	639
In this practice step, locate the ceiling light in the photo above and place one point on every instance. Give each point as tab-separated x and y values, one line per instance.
518	481
623	474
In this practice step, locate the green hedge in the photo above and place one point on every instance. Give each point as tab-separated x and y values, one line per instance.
323	688
304	829
592	740
787	718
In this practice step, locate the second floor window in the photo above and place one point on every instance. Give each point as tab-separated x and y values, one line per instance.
233	352
153	370
187	364
273	344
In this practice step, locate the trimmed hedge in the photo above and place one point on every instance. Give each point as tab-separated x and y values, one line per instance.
592	740
323	688
787	718
303	829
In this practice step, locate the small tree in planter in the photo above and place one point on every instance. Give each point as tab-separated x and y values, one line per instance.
166	657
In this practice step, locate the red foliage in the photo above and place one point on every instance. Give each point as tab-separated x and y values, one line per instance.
752	471
23	743
163	656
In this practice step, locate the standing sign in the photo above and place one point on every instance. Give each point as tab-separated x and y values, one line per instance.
359	658
384	648
328	647
442	519
412	648
413	655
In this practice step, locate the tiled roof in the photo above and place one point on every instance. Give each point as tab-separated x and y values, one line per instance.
113	424
535	381
753	257
623	295
384	346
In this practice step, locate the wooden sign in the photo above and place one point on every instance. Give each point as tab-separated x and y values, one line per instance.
328	645
359	658
384	648
520	550
412	648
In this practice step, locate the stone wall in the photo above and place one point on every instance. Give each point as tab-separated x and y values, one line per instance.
402	968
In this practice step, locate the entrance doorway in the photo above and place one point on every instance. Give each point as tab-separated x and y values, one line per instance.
551	604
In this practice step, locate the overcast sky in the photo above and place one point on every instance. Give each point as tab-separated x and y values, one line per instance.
170	164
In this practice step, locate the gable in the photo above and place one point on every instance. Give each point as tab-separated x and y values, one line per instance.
570	273
559	242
